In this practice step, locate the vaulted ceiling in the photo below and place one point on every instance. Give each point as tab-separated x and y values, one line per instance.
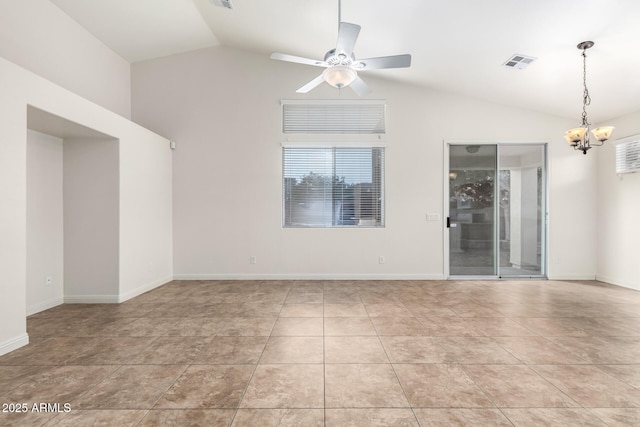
457	46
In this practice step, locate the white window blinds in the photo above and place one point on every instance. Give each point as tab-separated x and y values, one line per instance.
333	187
333	117
628	157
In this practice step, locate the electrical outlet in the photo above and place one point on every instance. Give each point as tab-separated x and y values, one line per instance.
252	260
381	260
48	280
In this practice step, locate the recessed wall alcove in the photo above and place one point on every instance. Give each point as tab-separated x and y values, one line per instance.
97	216
72	213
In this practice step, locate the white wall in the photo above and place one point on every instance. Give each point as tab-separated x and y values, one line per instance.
13	215
44	222
618	211
146	217
222	106
145	239
91	220
40	37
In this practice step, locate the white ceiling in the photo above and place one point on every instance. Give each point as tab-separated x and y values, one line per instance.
456	45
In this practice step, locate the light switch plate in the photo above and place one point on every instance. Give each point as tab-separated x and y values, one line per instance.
433	216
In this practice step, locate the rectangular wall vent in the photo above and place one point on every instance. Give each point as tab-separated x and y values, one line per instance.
222	3
628	156
519	61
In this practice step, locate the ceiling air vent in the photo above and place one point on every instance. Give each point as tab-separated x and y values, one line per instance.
222	3
519	61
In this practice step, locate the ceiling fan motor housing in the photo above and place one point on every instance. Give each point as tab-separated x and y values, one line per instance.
333	58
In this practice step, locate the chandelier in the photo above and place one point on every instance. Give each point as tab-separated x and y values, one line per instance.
579	137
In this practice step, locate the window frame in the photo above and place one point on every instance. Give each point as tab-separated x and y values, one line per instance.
334	117
380	211
627	155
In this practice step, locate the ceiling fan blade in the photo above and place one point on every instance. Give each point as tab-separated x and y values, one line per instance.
360	87
347	36
396	61
312	84
298	59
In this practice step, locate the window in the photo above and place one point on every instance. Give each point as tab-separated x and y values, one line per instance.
361	117
628	156
333	187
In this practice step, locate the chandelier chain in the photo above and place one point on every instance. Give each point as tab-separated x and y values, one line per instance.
586	98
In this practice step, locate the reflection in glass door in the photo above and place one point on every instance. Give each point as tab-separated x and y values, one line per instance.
472	170
522	210
497	210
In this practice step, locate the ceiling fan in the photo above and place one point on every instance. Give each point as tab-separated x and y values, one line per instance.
341	64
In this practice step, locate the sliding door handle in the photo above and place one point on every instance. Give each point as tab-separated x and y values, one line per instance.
448	222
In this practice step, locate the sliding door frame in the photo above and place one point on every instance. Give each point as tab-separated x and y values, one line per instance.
496	212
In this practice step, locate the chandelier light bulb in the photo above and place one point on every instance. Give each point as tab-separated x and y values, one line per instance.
575	135
602	133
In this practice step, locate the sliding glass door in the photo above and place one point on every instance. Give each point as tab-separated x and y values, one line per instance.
472	222
496	201
522	210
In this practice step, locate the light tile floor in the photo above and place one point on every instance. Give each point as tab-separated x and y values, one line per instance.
335	353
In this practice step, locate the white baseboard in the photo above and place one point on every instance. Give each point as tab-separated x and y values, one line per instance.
142	289
114	299
91	299
37	308
14	343
302	276
569	278
614	281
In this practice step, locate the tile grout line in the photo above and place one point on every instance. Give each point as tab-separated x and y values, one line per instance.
376	296
244	392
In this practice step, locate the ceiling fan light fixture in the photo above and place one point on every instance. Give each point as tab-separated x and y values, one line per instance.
339	76
472	149
340	62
